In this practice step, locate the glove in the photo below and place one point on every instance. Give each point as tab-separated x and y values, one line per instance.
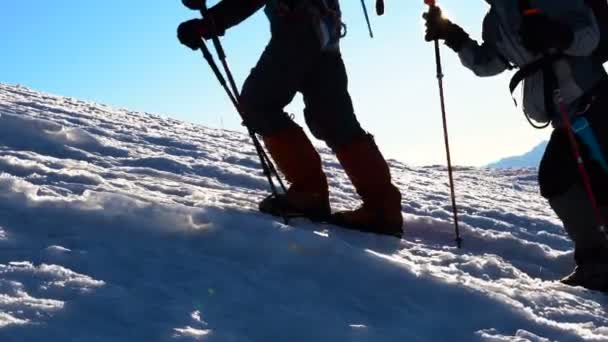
438	27
540	33
193	4
190	32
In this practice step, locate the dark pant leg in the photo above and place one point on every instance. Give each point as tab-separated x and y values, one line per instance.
560	182
558	170
598	120
277	77
329	109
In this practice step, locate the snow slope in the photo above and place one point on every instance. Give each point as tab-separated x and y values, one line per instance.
123	226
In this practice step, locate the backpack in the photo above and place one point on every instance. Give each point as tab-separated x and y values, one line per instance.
600	9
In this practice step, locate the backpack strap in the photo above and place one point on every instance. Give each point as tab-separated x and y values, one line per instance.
532	68
506	61
544	65
550	84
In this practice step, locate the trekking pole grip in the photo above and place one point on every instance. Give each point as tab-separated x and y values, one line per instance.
380	7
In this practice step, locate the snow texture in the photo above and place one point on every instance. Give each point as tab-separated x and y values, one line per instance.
123	226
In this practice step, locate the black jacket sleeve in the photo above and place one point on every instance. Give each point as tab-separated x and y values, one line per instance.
228	13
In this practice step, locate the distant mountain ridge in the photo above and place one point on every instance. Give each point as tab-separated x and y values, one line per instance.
529	159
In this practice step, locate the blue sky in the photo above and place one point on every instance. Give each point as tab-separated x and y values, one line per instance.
124	53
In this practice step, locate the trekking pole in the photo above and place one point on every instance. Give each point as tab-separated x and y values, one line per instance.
580	164
369	25
201	6
220	50
222	57
431	4
268	167
267	163
269	171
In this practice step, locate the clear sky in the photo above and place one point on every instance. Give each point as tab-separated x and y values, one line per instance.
124	53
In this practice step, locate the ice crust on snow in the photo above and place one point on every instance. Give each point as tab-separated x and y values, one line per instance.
124	226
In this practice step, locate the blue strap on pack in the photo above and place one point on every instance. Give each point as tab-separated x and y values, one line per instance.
582	129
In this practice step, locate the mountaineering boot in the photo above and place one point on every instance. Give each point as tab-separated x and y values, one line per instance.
370	175
590	276
590	244
297	159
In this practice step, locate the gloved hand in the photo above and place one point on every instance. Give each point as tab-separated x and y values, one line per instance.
540	33
438	27
192	31
193	4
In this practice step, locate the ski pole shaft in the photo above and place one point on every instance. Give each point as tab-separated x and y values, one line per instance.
267	166
266	162
220	51
369	25
447	144
582	170
216	71
431	3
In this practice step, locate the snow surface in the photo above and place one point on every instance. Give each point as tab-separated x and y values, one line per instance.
123	226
